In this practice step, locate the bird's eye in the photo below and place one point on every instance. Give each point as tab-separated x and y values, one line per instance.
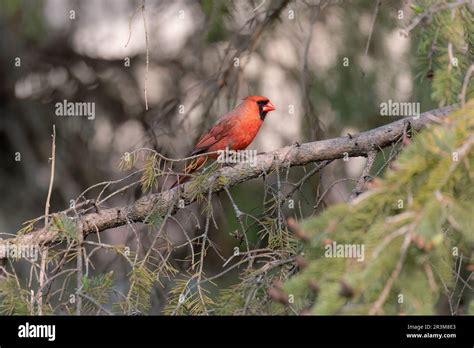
262	102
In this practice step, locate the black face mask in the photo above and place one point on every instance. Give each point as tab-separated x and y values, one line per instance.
261	104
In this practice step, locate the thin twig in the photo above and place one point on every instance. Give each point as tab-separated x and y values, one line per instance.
80	238
130	25
44	254
238	215
372	25
430	11
462	96
51	178
364	176
396	272
203	251
147	54
97	304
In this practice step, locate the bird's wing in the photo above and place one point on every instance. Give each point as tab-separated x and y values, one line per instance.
214	135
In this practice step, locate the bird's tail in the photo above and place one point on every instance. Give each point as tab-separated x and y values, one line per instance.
191	167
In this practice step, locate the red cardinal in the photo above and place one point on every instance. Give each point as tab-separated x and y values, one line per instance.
234	131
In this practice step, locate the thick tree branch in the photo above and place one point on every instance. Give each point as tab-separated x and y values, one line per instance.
355	145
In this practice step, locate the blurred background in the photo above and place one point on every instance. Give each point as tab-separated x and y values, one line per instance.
310	58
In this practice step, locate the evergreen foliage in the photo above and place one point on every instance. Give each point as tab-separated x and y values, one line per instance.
425	200
445	49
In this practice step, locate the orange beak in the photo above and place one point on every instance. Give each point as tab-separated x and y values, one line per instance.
268	107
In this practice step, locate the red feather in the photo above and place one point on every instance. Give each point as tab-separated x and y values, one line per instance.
235	131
